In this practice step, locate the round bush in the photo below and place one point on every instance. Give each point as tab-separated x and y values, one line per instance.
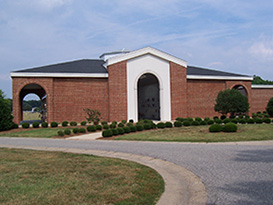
218	121
53	124
129	124
115	122
25	125
210	122
168	124
258	120
147	121
223	117
98	127
215	117
147	126
107	133
178	123
120	124
44	124
215	128
127	129
91	128
60	133
267	120
195	123
15	126
73	123
124	121
230	127
235	121
113	125
114	131
120	130
64	123
242	121
82	130
254	115
186	123
67	131
139	127
250	121
133	129
131	121
35	124
153	125
104	123
226	120
203	122
105	126
198	119
179	119
76	130
83	123
207	119
189	119
161	125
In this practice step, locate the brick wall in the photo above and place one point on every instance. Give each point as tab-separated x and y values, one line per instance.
117	80
178	80
260	98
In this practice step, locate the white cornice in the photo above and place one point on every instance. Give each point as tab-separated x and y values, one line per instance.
208	77
60	75
262	86
144	51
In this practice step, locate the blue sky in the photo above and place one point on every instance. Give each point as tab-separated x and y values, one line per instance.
233	36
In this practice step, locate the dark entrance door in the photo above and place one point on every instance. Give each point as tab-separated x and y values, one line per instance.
148	97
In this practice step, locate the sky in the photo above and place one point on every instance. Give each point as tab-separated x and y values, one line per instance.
233	36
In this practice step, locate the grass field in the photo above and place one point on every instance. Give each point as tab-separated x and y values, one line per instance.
31	116
201	134
36	177
39	133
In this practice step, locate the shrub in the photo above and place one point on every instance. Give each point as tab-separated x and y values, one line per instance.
25	125
269	107
82	130
147	121
168	124
53	124
104	123
112	126
83	123
254	115
127	129
230	127
6	117
105	126
223	117
120	124
189	119
92	115
266	115
153	125
91	128
131	121
210	122
139	127
114	131
67	131
186	123
203	122
226	120
107	133
60	133
198	119
114	122
35	124
207	119
133	129
178	123
64	123
44	124
235	121
215	117
179	119
120	130
258	120
73	123
195	123
15	126
242	121
98	127
76	130
129	124
267	120
161	125
250	121
215	128
124	121
218	121
147	126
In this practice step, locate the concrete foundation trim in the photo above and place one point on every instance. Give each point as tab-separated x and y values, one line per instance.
181	185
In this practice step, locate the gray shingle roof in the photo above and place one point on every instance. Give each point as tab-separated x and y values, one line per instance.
78	66
192	70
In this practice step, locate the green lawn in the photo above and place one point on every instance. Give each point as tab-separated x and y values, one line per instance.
39	133
37	177
201	134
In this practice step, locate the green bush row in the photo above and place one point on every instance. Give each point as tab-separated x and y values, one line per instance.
228	127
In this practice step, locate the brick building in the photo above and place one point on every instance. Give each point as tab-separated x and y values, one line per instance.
145	83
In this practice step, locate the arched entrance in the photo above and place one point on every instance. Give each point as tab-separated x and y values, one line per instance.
241	89
41	93
148	97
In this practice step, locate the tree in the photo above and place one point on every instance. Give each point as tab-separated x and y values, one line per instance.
269	108
257	80
6	118
232	102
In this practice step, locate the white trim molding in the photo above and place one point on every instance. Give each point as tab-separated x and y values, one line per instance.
144	51
60	75
208	77
262	86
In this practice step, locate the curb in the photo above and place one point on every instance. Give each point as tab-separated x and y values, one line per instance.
181	185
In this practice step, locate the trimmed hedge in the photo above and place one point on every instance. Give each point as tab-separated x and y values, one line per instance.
107	133
215	128
203	122
178	123
104	123
250	121
53	124
44	124
114	131
25	125
35	124
113	125
168	124
133	128
73	123
120	124
67	131
186	123
83	123
198	119
230	127
195	123
242	121
60	133
91	128
127	129
147	126
258	120
235	120
76	130
161	125
210	122
98	127
105	126
267	120
179	119
139	127
82	130
64	123
218	121
120	130
226	120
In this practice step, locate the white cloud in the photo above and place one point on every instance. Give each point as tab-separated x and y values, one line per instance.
262	49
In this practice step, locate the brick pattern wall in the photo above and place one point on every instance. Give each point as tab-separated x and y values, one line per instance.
72	95
117	80
178	80
260	98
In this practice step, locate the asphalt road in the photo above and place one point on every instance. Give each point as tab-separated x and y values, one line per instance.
232	174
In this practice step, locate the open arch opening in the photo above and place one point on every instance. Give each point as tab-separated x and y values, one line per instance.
33	103
241	89
148	97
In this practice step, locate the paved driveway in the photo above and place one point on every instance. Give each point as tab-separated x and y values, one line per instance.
232	174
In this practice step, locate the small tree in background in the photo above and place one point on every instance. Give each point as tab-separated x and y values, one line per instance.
231	102
6	118
93	115
269	108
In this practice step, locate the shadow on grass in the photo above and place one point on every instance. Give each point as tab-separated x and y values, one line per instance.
259	155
